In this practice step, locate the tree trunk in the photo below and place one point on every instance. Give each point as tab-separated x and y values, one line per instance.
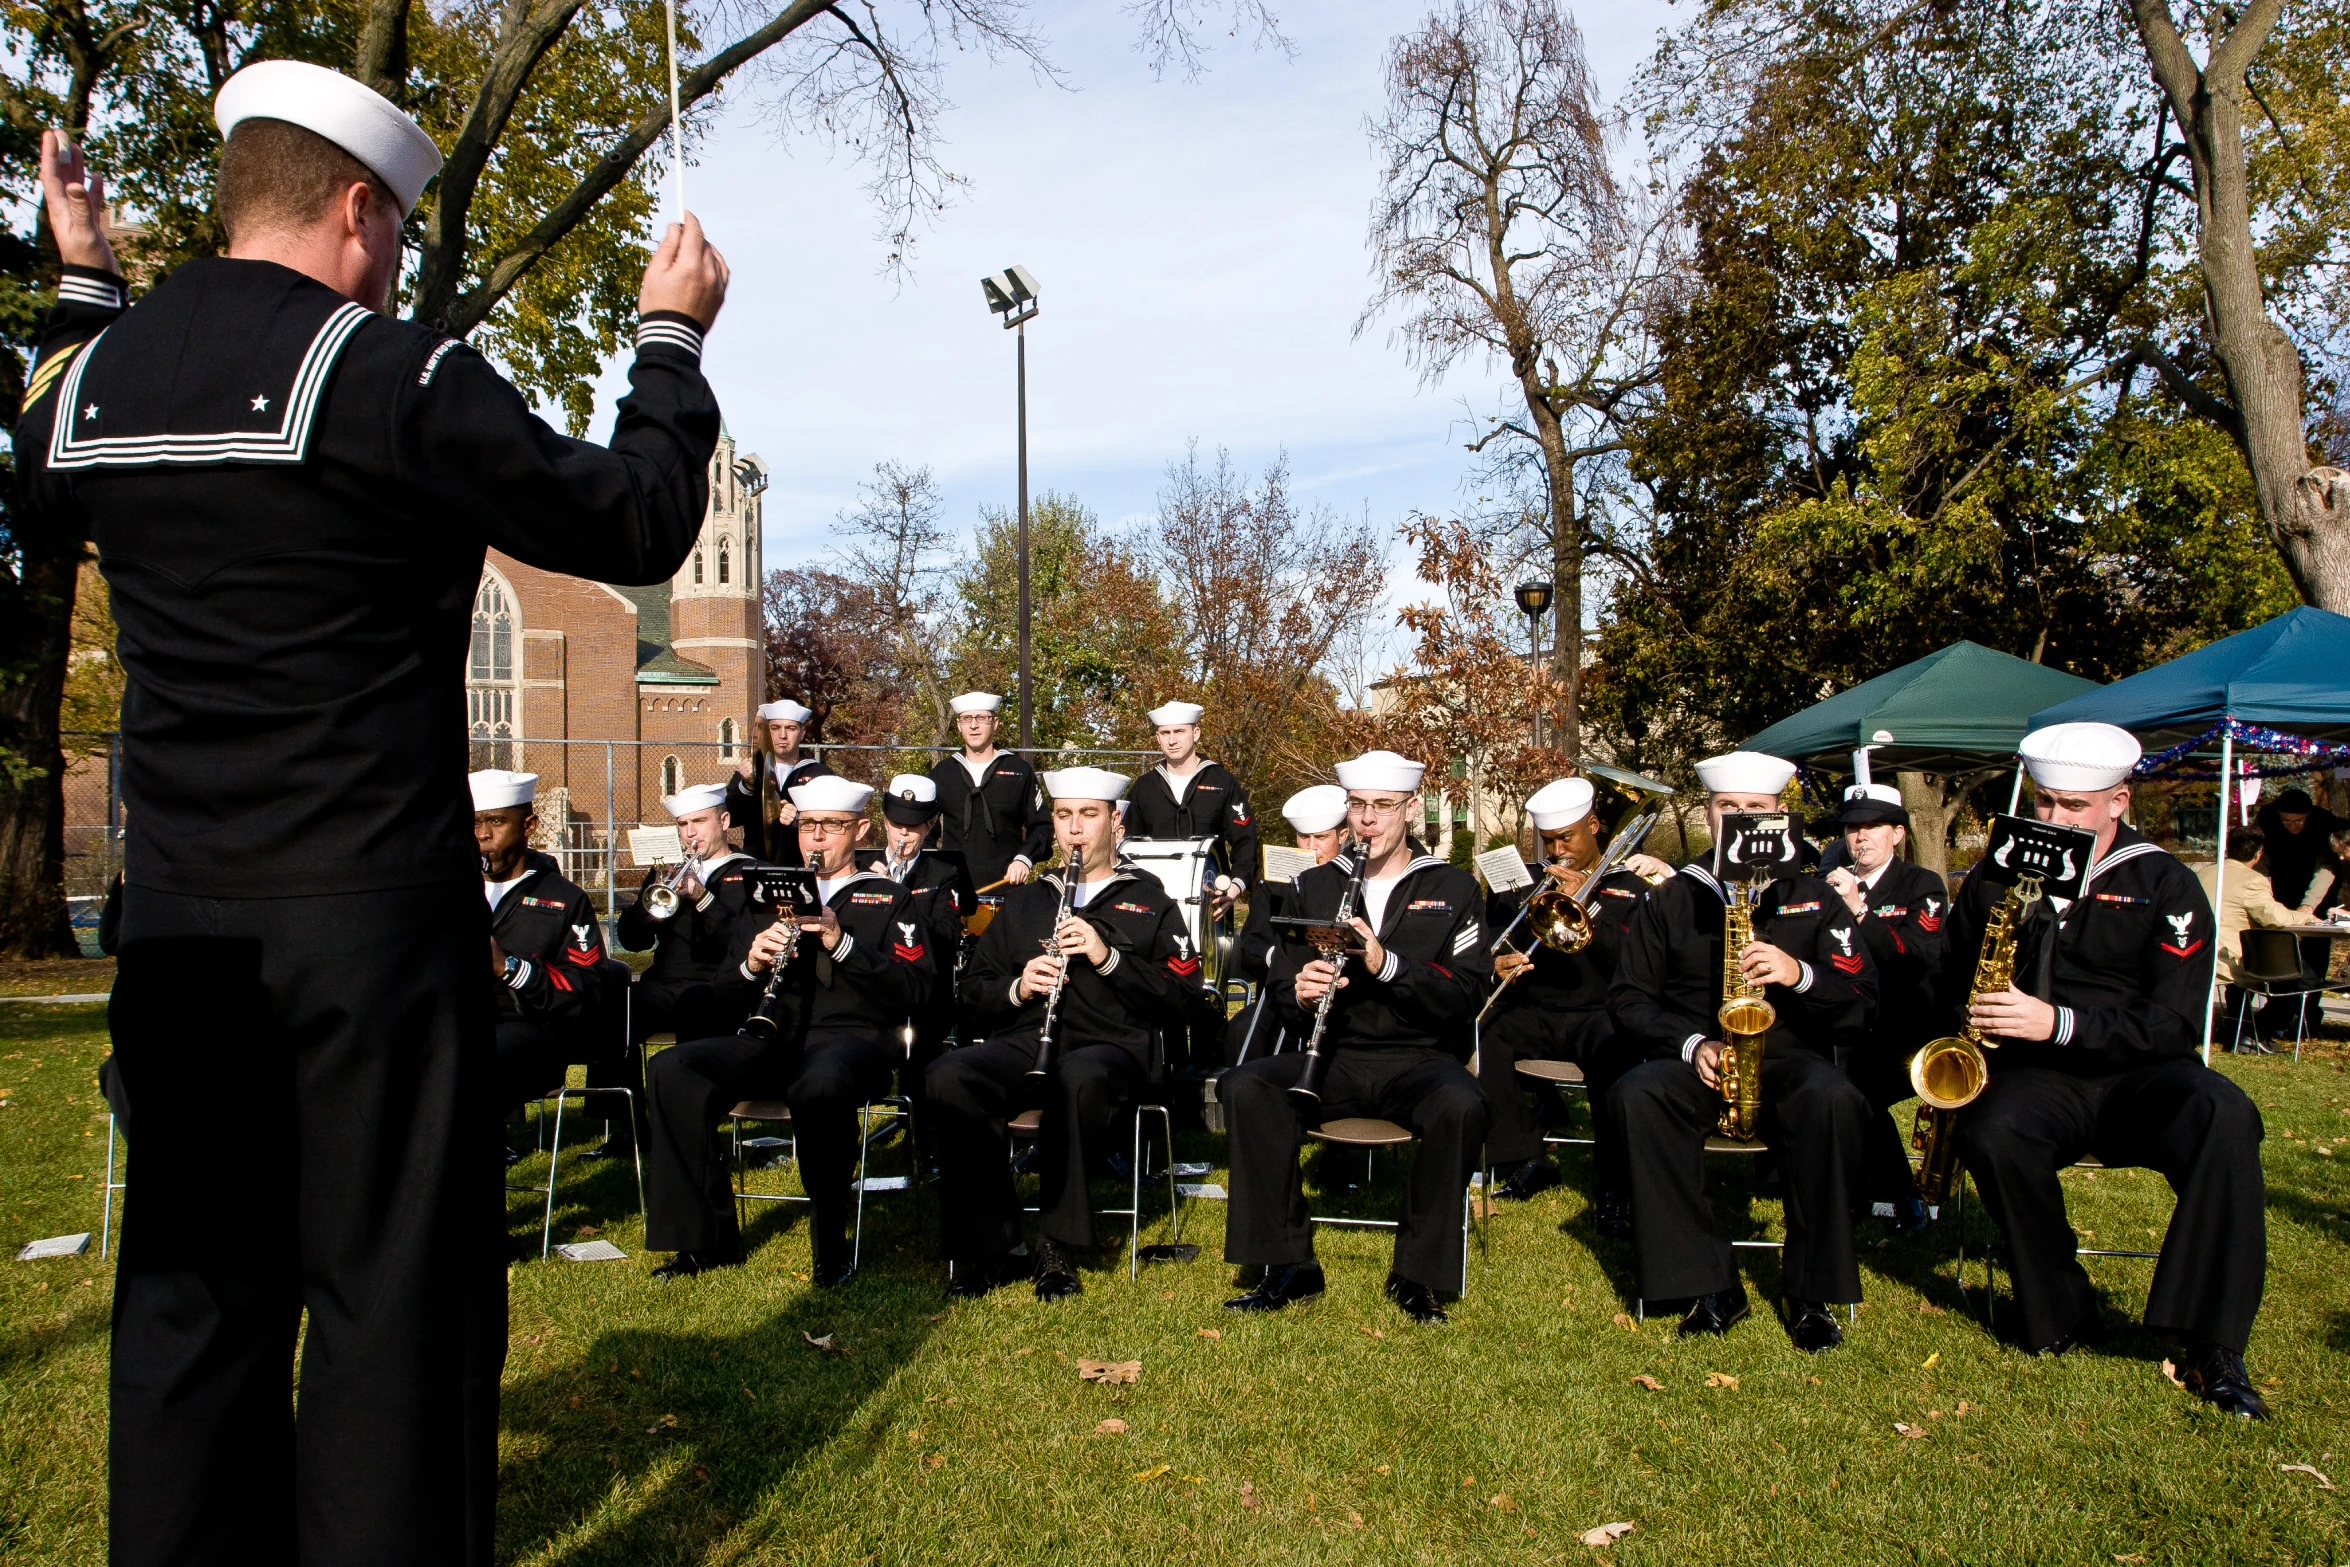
32	795
1929	820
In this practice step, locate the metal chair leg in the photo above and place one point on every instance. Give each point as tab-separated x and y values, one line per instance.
554	1163
106	1212
1134	1202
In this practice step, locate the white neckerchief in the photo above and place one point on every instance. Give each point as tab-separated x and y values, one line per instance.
978	769
495	891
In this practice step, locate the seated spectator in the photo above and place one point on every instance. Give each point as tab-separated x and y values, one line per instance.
2242	900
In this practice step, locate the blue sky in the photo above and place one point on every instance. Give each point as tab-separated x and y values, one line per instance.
1200	250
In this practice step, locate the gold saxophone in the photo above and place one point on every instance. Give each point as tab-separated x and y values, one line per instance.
1746	1015
1948	1074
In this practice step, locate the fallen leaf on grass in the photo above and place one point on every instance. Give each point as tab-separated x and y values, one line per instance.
1964	1406
1503	1502
1110	1428
1914	1433
753	1397
666	1422
1154	1472
1109	1373
2323	1483
1017	1353
1932	1361
1386	1469
1371	1332
1648	1382
1814	1381
914	1437
934	1460
2134	1556
1215	1333
1624	1320
824	1344
1354	1520
1468	1481
1721	1379
1248	1495
2170	1370
1606	1534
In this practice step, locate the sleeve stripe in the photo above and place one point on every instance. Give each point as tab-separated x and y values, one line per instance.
90	291
668	334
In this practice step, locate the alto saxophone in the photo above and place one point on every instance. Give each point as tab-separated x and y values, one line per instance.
1948	1074
1746	1015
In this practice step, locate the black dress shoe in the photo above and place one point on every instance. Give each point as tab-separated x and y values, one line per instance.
2071	1338
1909	1215
1813	1326
832	1272
1529	1179
974	1279
1284	1283
1056	1275
1416	1300
2217	1376
687	1264
1716	1313
1615	1216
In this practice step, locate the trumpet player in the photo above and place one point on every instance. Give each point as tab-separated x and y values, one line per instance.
759	795
1399	1030
1555	1006
832	990
1900	908
1815	971
1110	975
2098	1057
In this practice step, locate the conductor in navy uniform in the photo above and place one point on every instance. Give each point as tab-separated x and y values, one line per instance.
290	495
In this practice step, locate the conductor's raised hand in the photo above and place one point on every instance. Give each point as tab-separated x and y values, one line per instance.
76	201
686	274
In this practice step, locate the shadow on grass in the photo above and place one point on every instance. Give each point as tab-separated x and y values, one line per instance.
25	1347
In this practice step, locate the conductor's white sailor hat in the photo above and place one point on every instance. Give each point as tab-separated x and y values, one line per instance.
692	798
1560	803
975	702
353	116
2079	756
831	792
1086	783
909	799
1380	770
1317	809
786	709
1173	713
1872	802
494	788
1744	772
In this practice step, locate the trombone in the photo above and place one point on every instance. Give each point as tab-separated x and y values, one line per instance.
1561	920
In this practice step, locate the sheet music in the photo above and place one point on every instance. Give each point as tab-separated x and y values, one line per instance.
1285	864
1503	870
655	846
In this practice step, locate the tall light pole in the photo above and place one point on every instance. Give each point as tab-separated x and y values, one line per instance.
1011	294
1533	599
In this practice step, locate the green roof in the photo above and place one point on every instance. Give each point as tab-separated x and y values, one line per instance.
657	664
1950	711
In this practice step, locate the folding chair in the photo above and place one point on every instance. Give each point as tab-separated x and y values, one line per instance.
1719	1144
1028	1123
894	1109
2271	966
1371	1134
1561	1075
613	976
1990	1279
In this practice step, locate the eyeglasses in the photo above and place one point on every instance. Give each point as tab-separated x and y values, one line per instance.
819	825
1358	806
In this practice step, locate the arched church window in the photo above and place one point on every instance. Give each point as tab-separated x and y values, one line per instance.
728	739
722	563
491	690
697	568
672	775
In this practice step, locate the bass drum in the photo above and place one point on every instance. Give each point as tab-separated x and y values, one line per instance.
1186	867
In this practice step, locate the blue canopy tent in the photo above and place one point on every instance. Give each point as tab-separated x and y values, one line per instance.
2281	688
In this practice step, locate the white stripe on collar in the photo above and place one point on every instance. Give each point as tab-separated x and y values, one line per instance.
2141	848
1706	877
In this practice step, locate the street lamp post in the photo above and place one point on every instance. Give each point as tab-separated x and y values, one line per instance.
1533	599
1011	294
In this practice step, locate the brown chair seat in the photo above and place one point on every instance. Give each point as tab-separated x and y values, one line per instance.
1026	1124
1715	1143
1357	1131
664	1038
1564	1073
761	1110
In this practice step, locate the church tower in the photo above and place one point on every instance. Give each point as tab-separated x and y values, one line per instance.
714	598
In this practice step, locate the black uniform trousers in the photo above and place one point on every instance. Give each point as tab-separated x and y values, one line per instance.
1883	1075
2178	1117
1531	1031
1813	1118
314	1081
1425	1090
974	1091
689	1193
531	1064
686	1009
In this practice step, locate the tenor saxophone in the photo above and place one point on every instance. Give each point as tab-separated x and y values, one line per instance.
1746	1015
1948	1074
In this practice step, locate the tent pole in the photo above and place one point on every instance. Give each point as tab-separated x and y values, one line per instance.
2015	796
2219	874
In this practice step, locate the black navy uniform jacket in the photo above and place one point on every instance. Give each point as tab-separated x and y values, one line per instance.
1149	980
291	496
747	800
690	948
2128	966
1906	929
881	973
1438	971
941	890
1572	983
550	925
1667	994
1001	820
1211	804
1252	950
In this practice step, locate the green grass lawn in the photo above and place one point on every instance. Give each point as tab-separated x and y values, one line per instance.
695	1423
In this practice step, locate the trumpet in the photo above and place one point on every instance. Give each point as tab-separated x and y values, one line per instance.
1561	920
661	900
1950	1073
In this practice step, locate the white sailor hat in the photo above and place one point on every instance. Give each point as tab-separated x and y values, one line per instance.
1086	783
1865	803
2079	756
1560	803
494	788
831	792
975	702
786	709
1744	772
692	798
1317	809
909	799
1175	713
354	117
1380	770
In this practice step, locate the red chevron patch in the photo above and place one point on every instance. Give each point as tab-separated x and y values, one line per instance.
1850	965
585	957
906	954
1184	966
2187	951
1929	922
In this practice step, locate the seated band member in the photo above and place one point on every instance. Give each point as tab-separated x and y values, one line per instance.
1555	1009
545	943
2097	1056
993	813
1123	967
850	977
758	796
1900	908
1666	998
941	891
1400	1028
1317	821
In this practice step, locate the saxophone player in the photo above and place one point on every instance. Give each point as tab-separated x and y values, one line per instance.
2098	1057
1816	972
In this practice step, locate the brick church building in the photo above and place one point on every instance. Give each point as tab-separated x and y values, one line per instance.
669	673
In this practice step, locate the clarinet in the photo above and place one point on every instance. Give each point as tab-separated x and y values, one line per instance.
1307	1095
763	1023
1048	1047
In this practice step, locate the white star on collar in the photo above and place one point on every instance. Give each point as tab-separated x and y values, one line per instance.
261	405
90	412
